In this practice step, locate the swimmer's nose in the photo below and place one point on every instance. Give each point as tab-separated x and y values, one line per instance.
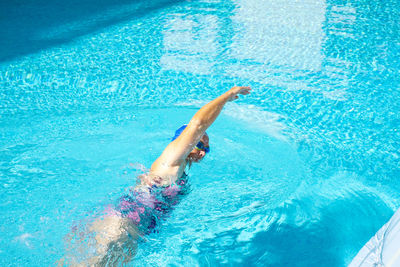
202	153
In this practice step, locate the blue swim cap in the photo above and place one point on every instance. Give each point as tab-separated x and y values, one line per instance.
178	132
199	145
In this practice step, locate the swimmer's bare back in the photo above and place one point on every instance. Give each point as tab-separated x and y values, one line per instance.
115	234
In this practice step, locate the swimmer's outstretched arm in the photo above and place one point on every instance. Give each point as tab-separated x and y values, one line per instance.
178	150
208	113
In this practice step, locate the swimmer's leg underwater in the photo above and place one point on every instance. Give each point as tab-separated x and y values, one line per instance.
110	240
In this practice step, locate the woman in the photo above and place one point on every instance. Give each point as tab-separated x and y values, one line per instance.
116	233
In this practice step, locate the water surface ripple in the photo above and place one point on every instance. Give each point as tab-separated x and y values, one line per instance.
302	172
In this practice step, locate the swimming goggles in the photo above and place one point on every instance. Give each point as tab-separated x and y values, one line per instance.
200	146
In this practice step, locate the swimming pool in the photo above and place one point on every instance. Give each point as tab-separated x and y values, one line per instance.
302	172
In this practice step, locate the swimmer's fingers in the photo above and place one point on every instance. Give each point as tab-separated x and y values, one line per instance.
242	90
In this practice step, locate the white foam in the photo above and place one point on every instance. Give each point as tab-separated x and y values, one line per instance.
24	239
254	117
258	119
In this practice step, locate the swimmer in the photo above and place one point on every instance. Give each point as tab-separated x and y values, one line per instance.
115	234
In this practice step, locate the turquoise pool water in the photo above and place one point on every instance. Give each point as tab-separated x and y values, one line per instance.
302	172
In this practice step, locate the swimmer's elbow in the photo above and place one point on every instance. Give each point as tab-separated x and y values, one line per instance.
198	126
197	123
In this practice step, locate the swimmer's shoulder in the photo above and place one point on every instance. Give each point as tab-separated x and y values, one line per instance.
165	171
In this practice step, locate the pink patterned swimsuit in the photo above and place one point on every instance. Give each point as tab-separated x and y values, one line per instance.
147	208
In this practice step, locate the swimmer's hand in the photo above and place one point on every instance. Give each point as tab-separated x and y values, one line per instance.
236	90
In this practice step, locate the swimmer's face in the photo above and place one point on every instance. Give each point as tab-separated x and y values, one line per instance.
197	155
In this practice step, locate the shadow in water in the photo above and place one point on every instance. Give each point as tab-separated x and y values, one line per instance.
330	235
30	26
